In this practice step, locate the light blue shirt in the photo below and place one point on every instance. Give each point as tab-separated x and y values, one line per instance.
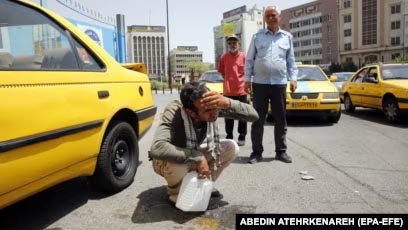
270	58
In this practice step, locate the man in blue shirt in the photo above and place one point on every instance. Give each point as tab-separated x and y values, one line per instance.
271	64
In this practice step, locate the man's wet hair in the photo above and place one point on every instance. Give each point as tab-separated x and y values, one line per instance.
190	92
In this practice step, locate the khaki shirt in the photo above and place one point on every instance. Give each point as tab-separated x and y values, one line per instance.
169	141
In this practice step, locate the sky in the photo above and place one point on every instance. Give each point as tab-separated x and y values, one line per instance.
191	22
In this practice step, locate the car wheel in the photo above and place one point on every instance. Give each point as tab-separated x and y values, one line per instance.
335	118
391	110
118	159
348	105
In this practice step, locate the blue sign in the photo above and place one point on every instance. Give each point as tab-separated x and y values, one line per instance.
92	34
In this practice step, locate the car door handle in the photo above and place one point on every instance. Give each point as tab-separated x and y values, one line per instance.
103	94
362	88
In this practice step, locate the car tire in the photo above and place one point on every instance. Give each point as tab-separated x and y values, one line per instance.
118	159
335	118
348	105
391	110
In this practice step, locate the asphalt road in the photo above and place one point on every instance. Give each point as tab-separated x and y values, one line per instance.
359	165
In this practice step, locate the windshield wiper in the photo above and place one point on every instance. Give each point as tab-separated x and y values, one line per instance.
308	79
390	78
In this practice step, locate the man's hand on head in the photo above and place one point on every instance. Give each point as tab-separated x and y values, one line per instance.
213	100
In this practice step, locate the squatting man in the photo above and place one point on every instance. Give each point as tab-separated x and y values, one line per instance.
178	143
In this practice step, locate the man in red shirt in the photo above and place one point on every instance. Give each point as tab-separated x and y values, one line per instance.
232	69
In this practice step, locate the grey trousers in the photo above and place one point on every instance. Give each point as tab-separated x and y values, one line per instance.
174	173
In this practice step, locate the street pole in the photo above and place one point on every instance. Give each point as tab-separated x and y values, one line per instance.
168	44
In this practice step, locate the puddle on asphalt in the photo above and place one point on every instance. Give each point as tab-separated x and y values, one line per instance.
218	216
154	206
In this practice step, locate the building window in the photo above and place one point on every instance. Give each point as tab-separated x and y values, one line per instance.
395	56
347	18
395	25
349	60
347	3
369	22
347	33
395	41
396	9
347	46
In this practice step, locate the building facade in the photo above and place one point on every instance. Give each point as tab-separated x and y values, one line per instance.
372	30
180	58
314	28
147	44
241	22
106	30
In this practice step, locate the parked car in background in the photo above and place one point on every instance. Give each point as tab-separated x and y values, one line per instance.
68	109
341	78
378	86
315	95
214	80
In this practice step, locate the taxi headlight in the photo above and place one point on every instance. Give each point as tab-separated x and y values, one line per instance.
330	95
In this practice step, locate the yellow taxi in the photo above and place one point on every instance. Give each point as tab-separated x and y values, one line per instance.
315	95
68	109
213	80
378	86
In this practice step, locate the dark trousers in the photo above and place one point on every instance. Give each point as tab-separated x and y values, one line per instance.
276	95
242	125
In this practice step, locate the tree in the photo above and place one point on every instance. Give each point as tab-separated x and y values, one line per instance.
403	58
197	68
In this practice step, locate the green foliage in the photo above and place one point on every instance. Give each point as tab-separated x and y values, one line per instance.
344	67
198	67
158	85
402	59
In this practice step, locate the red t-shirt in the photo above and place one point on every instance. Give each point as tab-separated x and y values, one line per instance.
232	68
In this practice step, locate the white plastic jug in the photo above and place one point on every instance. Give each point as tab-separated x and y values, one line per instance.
194	194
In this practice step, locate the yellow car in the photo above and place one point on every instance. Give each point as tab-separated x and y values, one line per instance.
378	86
68	109
315	95
213	80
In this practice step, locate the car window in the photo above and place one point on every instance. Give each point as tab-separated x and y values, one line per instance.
372	74
310	74
212	77
394	72
343	76
30	40
360	75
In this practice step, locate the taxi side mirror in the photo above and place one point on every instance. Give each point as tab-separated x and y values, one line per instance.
333	78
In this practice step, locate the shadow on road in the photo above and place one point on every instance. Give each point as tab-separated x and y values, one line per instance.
244	160
303	122
45	208
375	116
154	206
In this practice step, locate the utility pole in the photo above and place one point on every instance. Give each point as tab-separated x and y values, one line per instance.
168	45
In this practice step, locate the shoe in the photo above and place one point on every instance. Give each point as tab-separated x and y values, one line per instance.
241	140
255	158
284	157
215	193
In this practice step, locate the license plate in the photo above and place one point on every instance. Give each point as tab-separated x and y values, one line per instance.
308	105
